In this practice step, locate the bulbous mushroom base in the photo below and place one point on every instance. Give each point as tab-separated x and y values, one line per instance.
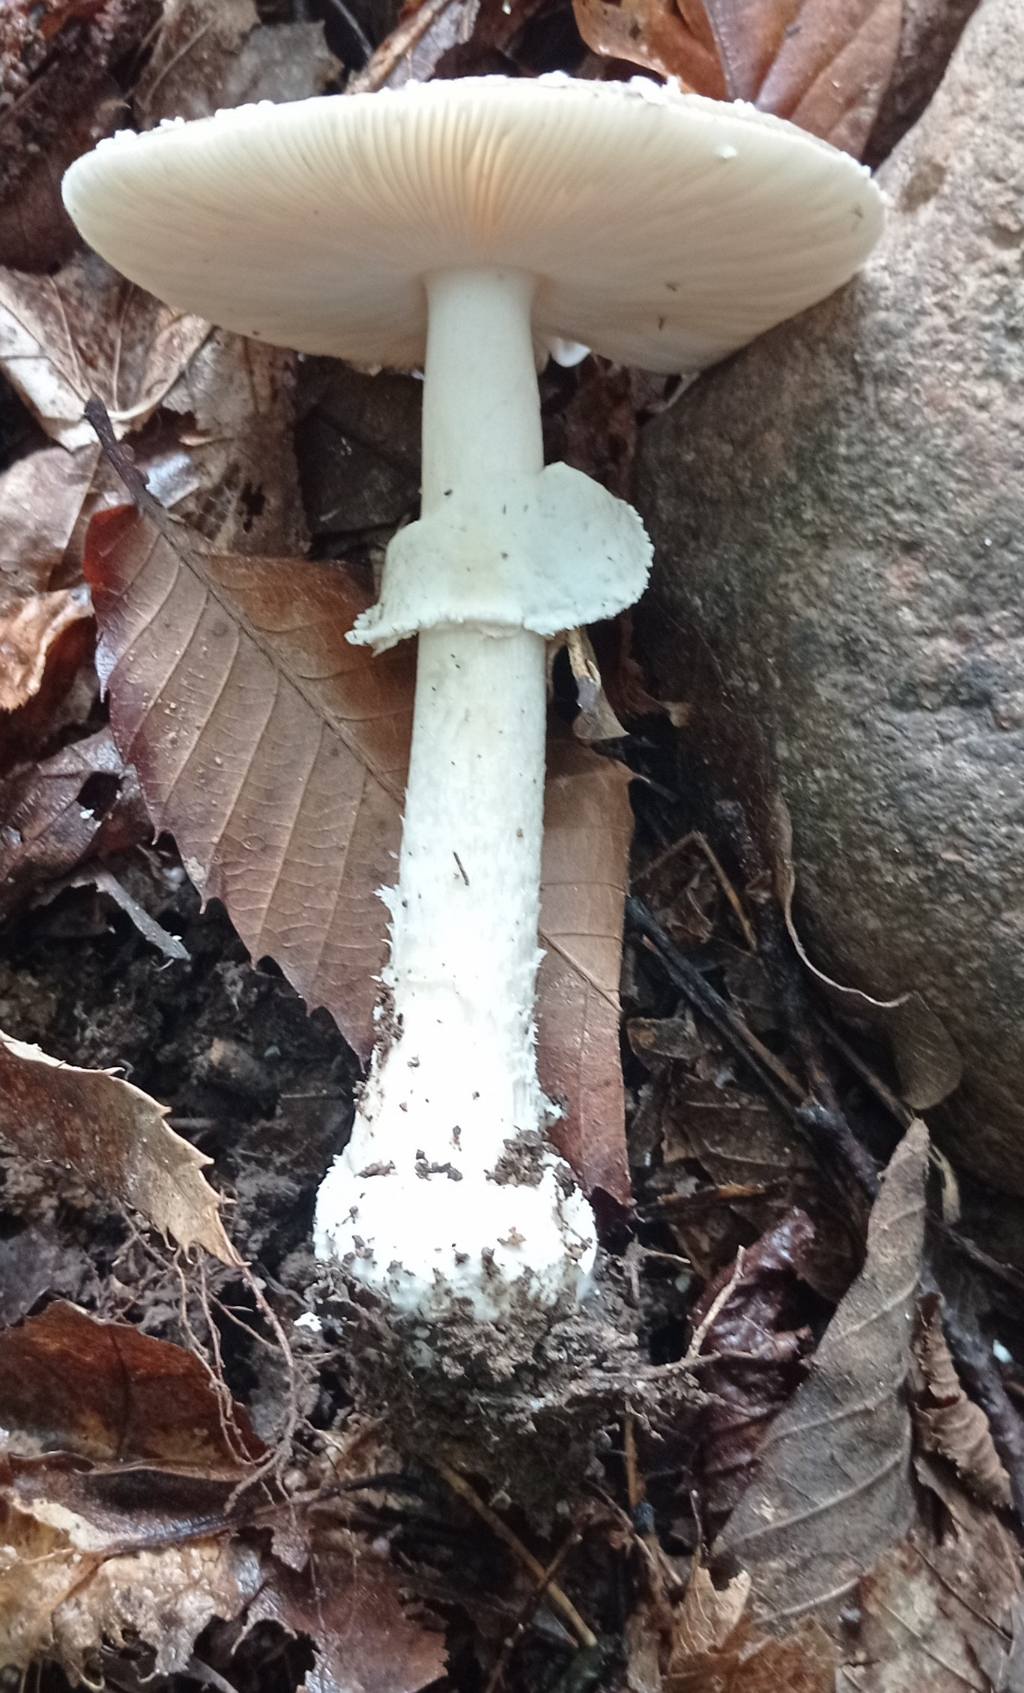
534	1412
441	1242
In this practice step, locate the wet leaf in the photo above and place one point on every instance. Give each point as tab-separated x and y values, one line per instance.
823	66
115	1138
49	829
107	1393
758	1350
367	1641
947	1422
833	1489
275	752
87	331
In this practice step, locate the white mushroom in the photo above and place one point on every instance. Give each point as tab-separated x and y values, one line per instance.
466	226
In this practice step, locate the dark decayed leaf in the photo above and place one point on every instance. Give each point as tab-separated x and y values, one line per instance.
47	826
833	1491
824	66
350	1605
758	1357
115	1138
947	1422
232	474
58	98
107	1393
275	752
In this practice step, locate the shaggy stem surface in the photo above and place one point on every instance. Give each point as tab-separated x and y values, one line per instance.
448	1199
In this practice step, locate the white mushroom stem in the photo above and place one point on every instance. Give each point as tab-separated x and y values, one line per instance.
448	1191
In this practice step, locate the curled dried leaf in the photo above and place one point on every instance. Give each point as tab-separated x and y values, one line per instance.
947	1422
115	1137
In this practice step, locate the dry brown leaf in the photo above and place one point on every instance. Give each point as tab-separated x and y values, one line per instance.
707	1618
212	54
350	1605
947	1422
825	67
41	497
59	1603
270	747
938	1612
164	1597
87	331
114	1443
833	1491
596	720
588	828
29	627
122	1461
115	1138
275	752
804	1662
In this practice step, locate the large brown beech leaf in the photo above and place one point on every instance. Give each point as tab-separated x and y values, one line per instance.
275	753
825	66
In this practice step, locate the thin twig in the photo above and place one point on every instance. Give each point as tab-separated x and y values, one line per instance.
527	1612
561	1601
809	1113
695	838
722	1297
402	41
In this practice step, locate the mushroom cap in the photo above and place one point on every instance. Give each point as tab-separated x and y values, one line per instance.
664	229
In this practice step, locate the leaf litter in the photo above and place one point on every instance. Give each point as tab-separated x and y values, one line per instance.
747	1234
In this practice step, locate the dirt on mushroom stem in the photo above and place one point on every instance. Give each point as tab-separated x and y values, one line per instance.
500	1400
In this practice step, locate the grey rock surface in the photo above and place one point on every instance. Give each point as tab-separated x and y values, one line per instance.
839	522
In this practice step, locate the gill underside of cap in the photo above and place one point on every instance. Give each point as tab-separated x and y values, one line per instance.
663	229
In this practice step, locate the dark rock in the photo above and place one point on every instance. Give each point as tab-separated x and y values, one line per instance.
839	517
